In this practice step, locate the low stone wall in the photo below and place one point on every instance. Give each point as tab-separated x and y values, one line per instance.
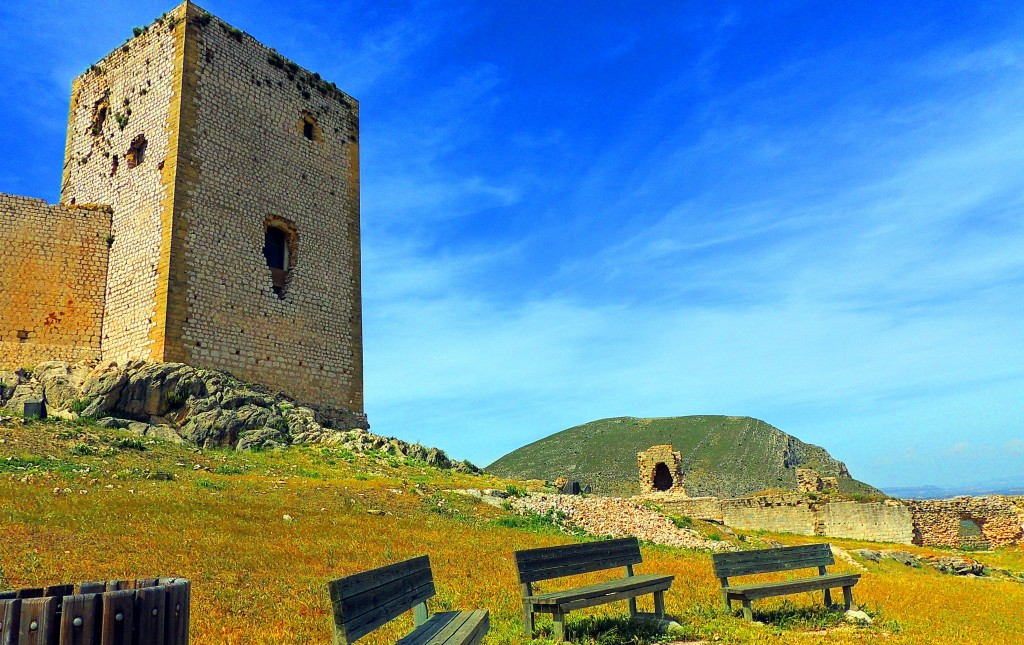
876	522
777	513
937	522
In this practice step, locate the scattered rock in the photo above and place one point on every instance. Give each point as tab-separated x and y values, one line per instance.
857	616
909	559
868	554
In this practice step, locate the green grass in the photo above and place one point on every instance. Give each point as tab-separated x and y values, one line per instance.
722	456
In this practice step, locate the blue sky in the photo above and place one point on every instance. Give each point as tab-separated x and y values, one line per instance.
803	212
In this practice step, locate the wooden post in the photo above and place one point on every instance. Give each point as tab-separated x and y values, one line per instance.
632	601
828	592
419	614
559	619
527	609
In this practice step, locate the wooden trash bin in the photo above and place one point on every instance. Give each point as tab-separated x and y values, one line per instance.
147	611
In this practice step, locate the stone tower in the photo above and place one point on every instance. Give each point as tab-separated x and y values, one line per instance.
661	470
233	177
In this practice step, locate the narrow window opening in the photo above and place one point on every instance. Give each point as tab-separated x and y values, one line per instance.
136	152
279	243
309	127
275	249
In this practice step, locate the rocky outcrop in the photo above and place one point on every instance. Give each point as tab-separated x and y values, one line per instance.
184	404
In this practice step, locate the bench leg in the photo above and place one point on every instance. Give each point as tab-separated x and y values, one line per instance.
659	604
748	612
725	600
848	597
828	597
632	607
558	616
528	619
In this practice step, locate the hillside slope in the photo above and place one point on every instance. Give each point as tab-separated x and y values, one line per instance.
722	456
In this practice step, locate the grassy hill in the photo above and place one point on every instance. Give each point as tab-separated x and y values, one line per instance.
260	534
722	456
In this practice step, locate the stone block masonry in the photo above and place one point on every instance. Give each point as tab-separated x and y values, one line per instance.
231	179
53	269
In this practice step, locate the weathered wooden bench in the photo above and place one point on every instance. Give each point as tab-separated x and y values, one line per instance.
743	563
535	565
147	611
364	601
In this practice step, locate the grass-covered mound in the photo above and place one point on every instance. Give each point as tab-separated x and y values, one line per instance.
722	456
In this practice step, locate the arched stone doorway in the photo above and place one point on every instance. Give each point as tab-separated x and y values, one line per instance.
662	477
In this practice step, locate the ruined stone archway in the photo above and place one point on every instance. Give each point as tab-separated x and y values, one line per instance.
660	470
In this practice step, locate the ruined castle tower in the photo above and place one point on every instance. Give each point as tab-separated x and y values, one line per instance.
232	180
661	470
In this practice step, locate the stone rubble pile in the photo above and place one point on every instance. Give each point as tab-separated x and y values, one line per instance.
179	403
615	517
954	565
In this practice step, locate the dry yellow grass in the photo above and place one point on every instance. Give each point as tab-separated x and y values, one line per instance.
259	578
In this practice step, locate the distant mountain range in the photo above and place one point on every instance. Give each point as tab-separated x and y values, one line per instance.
977	489
721	456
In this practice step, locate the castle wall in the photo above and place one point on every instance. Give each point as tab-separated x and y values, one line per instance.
250	163
53	268
776	513
127	95
874	522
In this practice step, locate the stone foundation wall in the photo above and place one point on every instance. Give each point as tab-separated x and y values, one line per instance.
53	268
661	470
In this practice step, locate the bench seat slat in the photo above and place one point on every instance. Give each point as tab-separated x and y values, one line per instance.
450	627
602	589
784	587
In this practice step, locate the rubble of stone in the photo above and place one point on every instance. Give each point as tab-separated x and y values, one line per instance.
615	517
179	403
953	565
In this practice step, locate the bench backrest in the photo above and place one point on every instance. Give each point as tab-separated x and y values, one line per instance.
558	561
148	611
786	558
364	601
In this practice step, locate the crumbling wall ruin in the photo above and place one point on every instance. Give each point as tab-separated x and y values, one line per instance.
937	521
661	470
809	481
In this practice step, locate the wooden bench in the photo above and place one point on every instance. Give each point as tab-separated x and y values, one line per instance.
364	601
743	563
535	565
147	611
